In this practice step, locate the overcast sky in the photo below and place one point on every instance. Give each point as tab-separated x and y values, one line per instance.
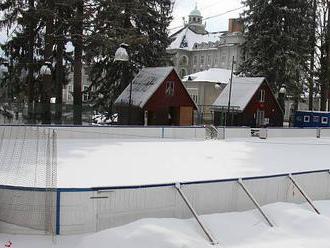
182	8
208	8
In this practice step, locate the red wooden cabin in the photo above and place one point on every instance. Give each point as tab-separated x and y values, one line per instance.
252	104
158	97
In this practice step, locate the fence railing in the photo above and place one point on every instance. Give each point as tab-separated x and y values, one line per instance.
85	210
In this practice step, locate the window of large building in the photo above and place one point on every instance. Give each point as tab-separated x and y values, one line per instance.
85	94
195	60
216	59
183	72
209	59
184	60
193	92
70	98
202	60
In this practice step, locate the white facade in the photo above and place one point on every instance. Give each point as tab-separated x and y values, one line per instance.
194	49
68	89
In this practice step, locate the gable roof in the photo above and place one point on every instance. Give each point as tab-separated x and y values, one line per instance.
243	89
144	85
213	75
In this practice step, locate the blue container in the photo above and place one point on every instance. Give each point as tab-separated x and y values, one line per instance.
312	119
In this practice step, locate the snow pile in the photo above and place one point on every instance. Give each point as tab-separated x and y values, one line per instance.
118	162
104	119
297	226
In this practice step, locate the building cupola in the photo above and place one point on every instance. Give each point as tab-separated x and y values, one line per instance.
195	16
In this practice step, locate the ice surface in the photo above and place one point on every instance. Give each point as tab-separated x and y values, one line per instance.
118	162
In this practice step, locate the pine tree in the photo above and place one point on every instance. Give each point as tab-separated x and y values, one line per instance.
142	24
279	38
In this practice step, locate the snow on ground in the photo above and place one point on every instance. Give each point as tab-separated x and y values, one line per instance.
118	162
297	226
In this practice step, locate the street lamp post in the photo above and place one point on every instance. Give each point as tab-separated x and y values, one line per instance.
121	55
281	96
230	89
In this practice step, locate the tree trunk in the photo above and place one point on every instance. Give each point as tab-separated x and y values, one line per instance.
30	79
78	49
47	79
325	83
59	71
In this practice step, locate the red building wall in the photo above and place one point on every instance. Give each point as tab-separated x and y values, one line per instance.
161	100
270	106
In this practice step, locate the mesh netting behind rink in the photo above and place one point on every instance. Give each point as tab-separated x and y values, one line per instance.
28	176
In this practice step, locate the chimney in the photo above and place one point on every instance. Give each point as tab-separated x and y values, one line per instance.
235	25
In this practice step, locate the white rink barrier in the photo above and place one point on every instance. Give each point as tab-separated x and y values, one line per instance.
325	132
291	132
118	132
86	210
169	132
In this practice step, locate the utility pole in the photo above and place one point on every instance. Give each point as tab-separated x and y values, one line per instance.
230	89
325	86
311	79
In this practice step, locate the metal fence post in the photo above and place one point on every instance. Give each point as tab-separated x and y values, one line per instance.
240	181
185	199
303	194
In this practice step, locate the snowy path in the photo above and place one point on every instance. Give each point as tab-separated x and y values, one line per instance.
296	227
86	163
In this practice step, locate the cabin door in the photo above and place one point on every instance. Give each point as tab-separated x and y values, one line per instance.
260	118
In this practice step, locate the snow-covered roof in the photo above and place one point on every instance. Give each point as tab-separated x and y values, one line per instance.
214	75
243	89
144	85
186	38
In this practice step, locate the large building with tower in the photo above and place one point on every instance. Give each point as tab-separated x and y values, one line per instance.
194	49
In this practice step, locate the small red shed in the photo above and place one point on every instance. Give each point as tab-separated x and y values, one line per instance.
158	97
252	103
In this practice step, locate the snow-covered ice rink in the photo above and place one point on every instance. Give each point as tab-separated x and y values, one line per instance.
121	162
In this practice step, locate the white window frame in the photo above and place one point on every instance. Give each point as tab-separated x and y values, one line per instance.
202	60
195	60
70	97
324	120
307	119
85	94
316	119
169	88
262	95
193	92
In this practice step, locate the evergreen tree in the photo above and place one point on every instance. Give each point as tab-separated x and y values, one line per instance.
279	40
142	24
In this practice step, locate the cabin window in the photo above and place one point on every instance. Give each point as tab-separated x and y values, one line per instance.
262	96
307	118
316	119
170	88
324	120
